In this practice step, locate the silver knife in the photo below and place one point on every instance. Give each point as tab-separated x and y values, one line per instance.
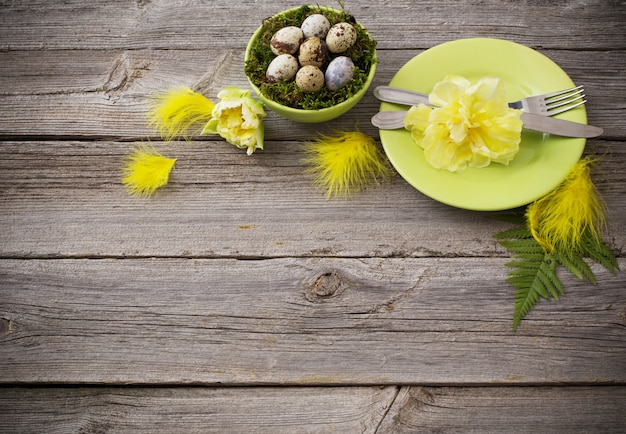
395	119
392	120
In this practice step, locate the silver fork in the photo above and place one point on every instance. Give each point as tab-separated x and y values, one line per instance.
550	104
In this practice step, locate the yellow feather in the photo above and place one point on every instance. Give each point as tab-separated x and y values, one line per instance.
345	162
173	113
146	171
561	218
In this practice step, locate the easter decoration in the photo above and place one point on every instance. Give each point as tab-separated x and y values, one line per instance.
473	126
237	118
312	64
565	227
346	162
146	171
310	58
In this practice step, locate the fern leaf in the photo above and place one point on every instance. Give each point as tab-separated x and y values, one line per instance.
554	279
543	283
547	277
521	280
519	232
576	265
528	245
525	300
530	265
563	228
599	252
533	271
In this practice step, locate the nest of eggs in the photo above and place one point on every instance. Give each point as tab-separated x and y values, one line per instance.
361	53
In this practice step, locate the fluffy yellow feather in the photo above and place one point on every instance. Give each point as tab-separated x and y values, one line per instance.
560	219
345	162
146	171
174	112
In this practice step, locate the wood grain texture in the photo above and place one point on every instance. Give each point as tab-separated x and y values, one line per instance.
514	409
239	299
396	24
314	410
319	321
195	410
65	198
110	91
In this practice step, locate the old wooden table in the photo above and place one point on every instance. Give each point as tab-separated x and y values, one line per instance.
241	300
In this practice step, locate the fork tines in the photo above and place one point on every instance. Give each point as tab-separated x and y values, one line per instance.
563	100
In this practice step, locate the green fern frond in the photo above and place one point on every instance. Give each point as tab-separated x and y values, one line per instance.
523	246
548	278
529	256
561	229
598	251
526	264
519	232
576	265
521	278
525	300
534	274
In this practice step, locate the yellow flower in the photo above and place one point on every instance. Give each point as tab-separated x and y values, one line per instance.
468	125
563	217
345	162
238	118
176	111
146	171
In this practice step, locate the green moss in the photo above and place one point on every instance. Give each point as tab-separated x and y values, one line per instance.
362	53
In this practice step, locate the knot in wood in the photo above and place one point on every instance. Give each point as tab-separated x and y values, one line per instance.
6	327
328	285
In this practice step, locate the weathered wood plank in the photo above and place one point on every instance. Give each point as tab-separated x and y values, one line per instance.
66	199
241	273
194	410
519	410
109	92
563	24
300	321
312	409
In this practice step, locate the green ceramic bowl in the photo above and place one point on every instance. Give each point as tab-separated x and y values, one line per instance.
310	116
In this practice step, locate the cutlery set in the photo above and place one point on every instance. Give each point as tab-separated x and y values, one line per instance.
536	116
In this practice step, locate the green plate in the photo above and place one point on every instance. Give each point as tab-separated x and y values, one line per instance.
543	160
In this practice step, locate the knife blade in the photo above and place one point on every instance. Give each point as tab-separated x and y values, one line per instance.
392	120
559	127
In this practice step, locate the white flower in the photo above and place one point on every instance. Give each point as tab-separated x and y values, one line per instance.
238	118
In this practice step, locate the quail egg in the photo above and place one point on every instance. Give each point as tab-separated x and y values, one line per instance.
286	40
310	78
339	72
313	51
282	68
340	37
315	25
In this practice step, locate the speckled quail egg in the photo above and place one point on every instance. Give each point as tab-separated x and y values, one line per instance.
282	68
315	25
313	51
340	37
310	78
339	72
286	40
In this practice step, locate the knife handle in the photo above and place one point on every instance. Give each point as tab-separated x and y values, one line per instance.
389	120
399	96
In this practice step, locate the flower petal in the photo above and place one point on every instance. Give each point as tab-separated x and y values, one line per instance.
470	126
